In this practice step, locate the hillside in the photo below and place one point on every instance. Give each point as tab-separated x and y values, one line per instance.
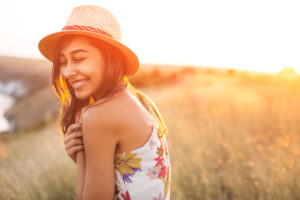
29	82
231	135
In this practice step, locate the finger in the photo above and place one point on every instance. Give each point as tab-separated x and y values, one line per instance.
72	152
72	128
72	135
69	146
74	142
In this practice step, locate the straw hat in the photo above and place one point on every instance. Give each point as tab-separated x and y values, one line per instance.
96	22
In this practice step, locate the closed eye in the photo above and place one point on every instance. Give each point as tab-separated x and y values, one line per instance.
78	59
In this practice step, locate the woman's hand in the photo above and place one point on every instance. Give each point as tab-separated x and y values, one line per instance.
73	140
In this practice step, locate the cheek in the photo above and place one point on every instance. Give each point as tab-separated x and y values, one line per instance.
87	69
94	70
99	75
99	70
96	75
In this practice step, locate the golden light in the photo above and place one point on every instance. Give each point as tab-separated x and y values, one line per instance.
221	34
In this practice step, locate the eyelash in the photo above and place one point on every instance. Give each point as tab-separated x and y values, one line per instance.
76	60
80	59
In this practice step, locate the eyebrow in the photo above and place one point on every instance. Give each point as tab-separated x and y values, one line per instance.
77	51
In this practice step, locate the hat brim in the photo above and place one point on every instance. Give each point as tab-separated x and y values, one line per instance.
47	46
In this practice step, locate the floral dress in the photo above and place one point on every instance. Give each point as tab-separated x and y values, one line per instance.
144	173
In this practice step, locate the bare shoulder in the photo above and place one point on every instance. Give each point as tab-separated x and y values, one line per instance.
113	115
121	120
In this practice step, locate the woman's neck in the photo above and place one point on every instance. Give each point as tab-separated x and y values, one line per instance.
121	88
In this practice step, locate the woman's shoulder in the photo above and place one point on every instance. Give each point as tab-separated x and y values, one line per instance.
118	112
123	117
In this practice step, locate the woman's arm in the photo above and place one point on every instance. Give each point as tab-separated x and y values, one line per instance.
100	129
80	162
75	149
81	165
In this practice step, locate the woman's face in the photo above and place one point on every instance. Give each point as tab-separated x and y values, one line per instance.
82	65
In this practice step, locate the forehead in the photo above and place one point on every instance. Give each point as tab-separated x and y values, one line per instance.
76	43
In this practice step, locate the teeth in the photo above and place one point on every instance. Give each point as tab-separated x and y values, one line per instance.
79	84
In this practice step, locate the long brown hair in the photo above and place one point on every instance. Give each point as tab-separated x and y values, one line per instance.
113	78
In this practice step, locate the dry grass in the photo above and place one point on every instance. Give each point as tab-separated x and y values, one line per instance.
36	167
231	136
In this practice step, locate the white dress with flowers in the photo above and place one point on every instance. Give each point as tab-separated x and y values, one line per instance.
144	173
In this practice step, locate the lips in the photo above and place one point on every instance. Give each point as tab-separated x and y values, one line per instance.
78	84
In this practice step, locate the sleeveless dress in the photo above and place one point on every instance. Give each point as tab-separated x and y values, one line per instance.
143	173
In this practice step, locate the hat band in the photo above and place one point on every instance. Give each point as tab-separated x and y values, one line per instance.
87	28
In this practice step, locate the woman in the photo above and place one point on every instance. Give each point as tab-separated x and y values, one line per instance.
114	133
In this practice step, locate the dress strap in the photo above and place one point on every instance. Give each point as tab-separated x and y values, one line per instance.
154	120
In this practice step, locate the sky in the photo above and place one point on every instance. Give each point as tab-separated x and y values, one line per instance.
257	35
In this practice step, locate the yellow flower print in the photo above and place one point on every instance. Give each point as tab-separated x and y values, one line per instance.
127	164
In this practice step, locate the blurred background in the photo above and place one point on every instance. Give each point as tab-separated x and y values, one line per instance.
224	75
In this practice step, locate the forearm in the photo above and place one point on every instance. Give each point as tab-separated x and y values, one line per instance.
80	162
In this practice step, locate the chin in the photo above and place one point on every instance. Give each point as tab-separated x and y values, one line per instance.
81	96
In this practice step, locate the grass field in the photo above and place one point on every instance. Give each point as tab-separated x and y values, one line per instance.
232	136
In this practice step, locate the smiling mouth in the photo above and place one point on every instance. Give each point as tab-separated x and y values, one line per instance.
79	84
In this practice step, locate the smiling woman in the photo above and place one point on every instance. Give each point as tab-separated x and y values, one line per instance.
114	133
82	64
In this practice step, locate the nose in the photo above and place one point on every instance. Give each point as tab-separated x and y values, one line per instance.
68	71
